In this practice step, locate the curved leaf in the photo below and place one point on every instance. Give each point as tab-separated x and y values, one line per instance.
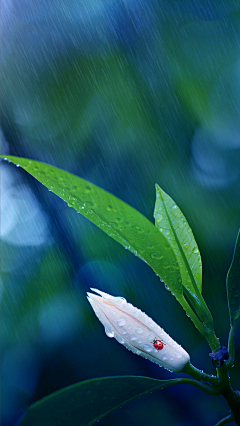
117	219
171	223
86	402
233	285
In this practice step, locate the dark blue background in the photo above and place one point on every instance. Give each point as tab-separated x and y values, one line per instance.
124	94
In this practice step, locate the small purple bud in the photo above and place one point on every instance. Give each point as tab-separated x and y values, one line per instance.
219	356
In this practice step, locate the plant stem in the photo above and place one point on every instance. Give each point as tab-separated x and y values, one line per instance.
232	397
201	376
225	420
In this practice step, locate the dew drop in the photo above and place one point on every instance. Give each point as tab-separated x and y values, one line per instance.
88	204
139	341
159	217
147	348
164	358
195	250
156	256
178	355
151	336
132	337
109	333
139	229
121	322
121	340
124	332
121	299
139	330
88	189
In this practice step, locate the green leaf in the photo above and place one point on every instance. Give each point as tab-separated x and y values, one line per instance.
233	285
117	219
171	223
84	403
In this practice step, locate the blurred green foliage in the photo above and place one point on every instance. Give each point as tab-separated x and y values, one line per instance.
116	94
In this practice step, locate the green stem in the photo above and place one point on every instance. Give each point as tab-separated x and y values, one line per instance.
225	420
232	397
201	376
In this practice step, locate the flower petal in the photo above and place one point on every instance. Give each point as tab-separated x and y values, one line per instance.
137	331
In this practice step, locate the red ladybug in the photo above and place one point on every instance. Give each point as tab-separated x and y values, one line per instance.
158	344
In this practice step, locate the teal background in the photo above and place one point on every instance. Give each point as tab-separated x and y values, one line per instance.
125	94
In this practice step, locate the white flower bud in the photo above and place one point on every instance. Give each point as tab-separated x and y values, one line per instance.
137	332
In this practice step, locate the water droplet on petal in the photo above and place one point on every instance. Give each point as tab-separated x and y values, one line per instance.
139	330
164	358
178	355
132	337
121	299
121	321
147	348
109	333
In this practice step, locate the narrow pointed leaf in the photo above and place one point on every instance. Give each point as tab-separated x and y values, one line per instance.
116	218
233	285
171	223
87	402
